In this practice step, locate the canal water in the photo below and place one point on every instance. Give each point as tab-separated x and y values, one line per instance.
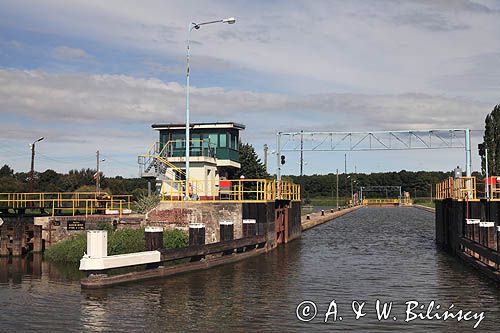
385	254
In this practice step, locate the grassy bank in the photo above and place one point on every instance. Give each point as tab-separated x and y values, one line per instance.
328	201
425	202
119	242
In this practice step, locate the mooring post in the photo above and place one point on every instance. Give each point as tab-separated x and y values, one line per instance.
154	241
196	237
154	238
491	233
226	230
226	233
249	227
97	244
249	230
196	234
322	212
308	217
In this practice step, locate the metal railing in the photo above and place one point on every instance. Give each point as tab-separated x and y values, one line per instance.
74	203
457	188
381	201
240	190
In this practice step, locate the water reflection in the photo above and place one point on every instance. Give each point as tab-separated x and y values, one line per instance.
376	253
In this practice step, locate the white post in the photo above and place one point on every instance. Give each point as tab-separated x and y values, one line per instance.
97	244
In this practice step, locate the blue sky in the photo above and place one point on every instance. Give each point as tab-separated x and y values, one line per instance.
91	75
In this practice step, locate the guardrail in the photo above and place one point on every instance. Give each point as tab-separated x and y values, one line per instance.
240	190
74	203
381	201
457	188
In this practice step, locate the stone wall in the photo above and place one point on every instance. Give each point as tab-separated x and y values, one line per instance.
180	214
55	229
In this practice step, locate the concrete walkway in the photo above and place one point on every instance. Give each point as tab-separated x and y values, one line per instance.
317	219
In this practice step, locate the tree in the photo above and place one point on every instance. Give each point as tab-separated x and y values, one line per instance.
251	166
6	171
492	142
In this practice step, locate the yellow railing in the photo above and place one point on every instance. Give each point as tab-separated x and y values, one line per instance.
75	203
494	188
457	188
381	201
240	190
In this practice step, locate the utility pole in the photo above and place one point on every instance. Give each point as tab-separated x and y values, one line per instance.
352	192
265	155
345	164
301	152
32	172
98	176
337	189
487	175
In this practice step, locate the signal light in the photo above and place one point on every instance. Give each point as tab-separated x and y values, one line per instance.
282	159
481	148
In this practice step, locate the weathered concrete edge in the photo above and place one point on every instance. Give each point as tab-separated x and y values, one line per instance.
429	209
317	219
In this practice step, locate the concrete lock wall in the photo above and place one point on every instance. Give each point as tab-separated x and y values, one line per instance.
19	235
179	214
59	228
451	215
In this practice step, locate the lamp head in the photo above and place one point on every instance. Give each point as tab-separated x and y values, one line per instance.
40	139
229	20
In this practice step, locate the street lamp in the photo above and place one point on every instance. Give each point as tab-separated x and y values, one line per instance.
191	26
352	188
32	172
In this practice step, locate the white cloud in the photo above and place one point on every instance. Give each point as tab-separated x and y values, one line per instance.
80	113
70	53
381	47
118	98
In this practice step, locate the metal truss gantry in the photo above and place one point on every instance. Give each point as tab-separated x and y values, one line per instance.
376	140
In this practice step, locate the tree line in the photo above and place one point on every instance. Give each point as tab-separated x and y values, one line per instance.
492	142
73	181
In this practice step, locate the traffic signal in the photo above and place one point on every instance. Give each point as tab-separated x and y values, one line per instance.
282	159
482	151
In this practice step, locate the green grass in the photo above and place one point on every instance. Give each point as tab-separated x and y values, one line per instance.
119	242
328	201
424	202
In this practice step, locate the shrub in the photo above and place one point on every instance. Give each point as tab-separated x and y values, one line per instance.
119	242
173	239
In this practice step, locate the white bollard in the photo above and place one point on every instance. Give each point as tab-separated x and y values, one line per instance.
97	244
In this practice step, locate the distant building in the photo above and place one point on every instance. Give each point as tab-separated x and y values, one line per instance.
213	155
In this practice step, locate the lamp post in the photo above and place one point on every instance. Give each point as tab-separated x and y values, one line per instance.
191	26
98	173
337	189
32	172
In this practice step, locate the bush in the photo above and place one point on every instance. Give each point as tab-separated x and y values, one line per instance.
119	242
69	250
173	239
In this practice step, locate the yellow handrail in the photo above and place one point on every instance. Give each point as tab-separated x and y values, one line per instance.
239	190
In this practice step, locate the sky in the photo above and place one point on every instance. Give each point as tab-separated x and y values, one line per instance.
94	75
